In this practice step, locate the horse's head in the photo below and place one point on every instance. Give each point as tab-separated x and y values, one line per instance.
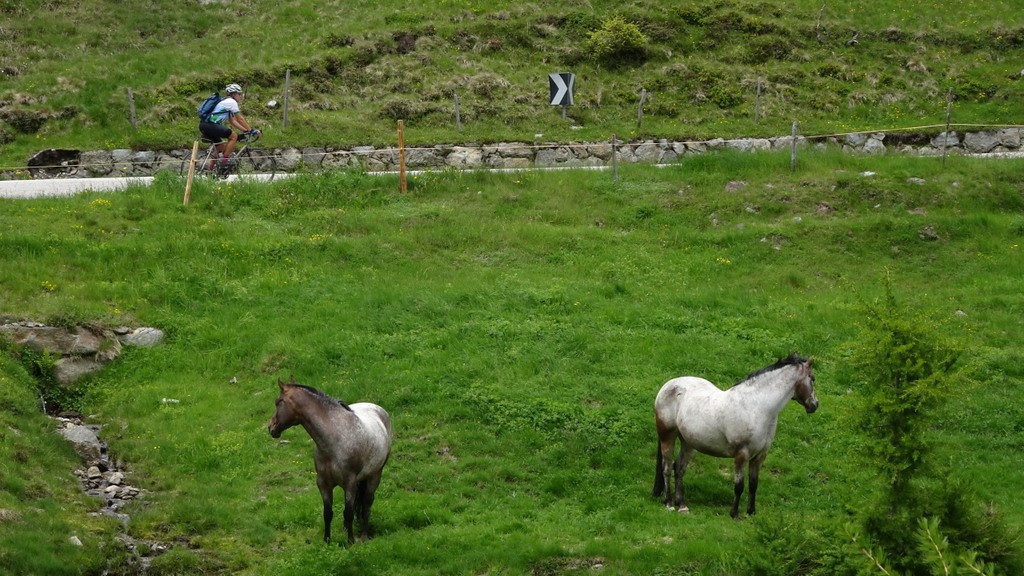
285	415
803	392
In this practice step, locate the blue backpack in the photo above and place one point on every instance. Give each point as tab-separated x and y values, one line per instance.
206	108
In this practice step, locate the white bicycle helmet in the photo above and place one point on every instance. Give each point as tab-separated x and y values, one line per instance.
233	89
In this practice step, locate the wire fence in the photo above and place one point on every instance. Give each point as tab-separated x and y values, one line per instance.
74	163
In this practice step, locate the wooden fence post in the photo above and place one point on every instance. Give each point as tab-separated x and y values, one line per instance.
131	109
458	114
615	160
191	173
757	102
287	90
945	136
792	151
402	184
640	108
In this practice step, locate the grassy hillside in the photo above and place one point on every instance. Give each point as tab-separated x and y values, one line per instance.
517	327
358	66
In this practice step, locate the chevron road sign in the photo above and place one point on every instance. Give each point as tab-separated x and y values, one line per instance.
561	88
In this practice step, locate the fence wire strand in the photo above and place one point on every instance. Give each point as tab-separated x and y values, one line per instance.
263	156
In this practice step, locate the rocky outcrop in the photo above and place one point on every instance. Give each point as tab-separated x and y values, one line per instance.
82	350
65	163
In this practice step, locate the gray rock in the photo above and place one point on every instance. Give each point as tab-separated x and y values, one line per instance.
338	159
78	341
465	157
649	152
786	142
288	159
384	160
313	157
981	142
86	443
514	150
874	144
1010	138
96	162
424	158
556	156
749	144
143	337
70	369
143	158
856	139
946	140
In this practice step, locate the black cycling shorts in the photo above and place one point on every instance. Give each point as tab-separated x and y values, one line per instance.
214	132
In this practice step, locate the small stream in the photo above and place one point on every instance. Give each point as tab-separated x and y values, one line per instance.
101	477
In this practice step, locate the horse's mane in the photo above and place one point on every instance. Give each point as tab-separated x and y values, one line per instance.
791	360
323	397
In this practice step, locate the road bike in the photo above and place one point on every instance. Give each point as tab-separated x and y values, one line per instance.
247	160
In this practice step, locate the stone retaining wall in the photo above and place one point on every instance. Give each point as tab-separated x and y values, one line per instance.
54	163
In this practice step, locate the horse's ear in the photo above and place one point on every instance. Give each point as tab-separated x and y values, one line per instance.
293	382
280	384
810	362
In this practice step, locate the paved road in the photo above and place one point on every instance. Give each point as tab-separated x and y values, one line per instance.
68	186
65	187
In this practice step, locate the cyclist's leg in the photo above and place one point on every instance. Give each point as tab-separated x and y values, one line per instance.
230	147
216	133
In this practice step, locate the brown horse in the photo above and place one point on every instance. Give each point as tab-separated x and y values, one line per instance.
352	445
737	423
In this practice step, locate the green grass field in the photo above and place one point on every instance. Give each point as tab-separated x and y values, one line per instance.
517	327
357	67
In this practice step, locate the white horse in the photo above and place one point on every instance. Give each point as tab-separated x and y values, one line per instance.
737	423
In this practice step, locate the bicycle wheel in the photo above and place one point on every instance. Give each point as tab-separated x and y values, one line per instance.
256	163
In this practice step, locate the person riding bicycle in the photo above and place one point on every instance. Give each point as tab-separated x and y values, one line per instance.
225	115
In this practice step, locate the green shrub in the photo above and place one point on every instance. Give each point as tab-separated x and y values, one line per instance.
617	40
907	370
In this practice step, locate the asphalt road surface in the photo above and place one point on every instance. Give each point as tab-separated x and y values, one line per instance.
65	187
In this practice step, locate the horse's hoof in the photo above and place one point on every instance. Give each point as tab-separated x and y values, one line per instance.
684	510
670	508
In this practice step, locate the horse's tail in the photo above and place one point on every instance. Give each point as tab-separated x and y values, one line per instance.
659	475
361	499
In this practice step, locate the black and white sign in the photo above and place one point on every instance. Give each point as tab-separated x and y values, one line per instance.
561	88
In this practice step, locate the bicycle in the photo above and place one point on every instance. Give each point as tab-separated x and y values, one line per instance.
245	161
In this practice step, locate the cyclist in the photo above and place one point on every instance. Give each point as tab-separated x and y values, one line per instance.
225	115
